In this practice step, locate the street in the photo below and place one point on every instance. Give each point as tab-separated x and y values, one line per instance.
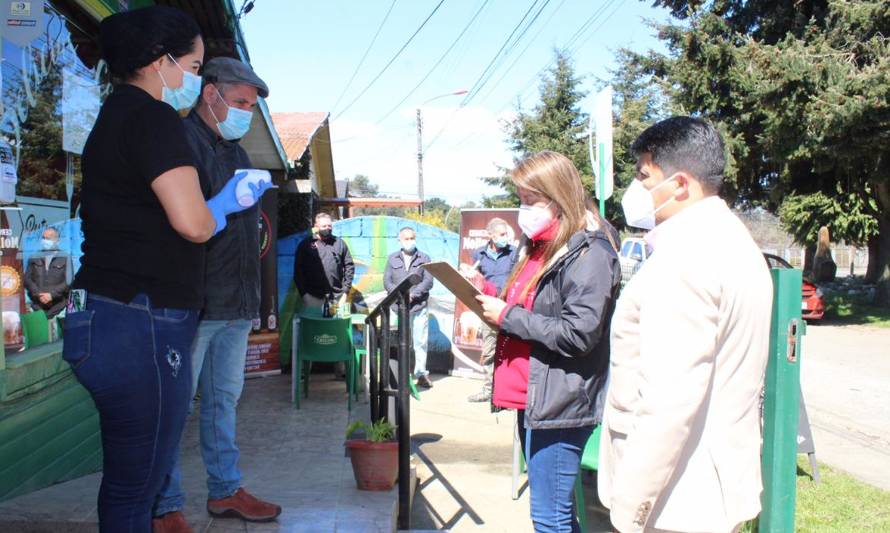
845	376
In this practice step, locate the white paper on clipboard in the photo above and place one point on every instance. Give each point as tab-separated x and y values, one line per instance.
459	286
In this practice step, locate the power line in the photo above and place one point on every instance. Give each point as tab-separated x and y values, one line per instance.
476	86
436	65
522	53
391	61
474	89
603	23
587	24
365	55
513	46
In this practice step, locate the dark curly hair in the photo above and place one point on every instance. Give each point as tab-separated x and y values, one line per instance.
134	39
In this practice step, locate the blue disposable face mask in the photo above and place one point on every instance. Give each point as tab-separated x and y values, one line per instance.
184	96
237	121
409	246
500	244
48	244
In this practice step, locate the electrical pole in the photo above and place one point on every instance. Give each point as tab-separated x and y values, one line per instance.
420	161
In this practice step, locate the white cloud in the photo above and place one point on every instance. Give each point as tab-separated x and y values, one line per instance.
470	146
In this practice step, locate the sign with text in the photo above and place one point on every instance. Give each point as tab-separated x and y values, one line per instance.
22	21
263	343
468	327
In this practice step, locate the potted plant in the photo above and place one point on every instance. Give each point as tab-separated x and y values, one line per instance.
375	459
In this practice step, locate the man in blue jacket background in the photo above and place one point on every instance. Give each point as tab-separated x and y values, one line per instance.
495	262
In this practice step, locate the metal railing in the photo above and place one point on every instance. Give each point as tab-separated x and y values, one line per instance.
383	389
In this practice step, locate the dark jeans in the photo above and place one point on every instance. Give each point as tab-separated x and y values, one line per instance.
553	457
135	362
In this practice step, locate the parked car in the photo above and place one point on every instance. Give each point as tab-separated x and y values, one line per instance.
812	306
631	257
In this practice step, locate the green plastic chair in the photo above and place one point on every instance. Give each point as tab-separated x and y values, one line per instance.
325	340
590	460
358	339
35	326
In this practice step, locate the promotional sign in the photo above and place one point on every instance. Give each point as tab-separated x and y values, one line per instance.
22	21
601	157
12	287
468	327
263	344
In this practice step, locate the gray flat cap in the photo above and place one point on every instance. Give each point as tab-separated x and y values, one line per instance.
228	70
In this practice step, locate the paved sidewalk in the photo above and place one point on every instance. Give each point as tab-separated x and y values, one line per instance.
463	458
293	458
845	377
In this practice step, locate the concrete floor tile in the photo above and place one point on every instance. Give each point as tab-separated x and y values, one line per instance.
294	458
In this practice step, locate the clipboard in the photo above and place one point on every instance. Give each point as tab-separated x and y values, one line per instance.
462	289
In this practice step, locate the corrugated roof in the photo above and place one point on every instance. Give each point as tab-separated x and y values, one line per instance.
296	130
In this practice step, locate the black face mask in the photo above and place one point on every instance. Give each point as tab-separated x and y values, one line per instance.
324	233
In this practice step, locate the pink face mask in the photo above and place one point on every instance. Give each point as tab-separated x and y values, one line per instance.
534	219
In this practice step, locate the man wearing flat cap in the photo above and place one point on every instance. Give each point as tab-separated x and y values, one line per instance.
221	117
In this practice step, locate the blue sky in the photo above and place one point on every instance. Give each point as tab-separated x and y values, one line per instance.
308	51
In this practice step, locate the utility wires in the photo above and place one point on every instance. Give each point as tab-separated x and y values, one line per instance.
364	56
391	61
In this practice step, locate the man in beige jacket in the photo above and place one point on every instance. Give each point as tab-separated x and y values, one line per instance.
680	446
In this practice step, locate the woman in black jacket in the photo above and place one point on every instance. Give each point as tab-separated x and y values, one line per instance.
552	356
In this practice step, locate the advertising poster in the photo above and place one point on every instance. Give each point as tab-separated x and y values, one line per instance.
12	287
22	21
467	333
263	343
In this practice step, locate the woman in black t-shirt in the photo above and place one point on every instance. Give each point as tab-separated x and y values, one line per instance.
134	307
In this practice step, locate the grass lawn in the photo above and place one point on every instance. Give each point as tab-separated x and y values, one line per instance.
843	309
839	504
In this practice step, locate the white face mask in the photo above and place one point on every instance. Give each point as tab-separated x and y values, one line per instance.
638	205
533	219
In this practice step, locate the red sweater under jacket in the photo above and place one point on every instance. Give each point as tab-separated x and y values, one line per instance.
511	354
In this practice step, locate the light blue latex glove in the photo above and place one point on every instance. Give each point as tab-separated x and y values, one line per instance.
225	202
258	190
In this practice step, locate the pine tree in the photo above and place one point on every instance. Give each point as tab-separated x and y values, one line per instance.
555	124
801	91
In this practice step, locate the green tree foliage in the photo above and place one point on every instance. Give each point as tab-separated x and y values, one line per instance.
42	163
638	103
555	123
362	187
801	91
436	211
803	214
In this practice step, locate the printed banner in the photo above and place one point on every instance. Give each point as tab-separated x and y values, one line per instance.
467	331
22	21
263	343
12	287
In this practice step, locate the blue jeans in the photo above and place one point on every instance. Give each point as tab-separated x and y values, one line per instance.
135	362
218	356
554	458
419	332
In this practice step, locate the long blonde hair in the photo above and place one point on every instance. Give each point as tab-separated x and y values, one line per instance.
554	176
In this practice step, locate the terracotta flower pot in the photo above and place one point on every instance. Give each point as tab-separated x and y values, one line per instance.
374	464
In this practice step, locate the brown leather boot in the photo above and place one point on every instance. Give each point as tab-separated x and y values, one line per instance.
243	505
170	523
